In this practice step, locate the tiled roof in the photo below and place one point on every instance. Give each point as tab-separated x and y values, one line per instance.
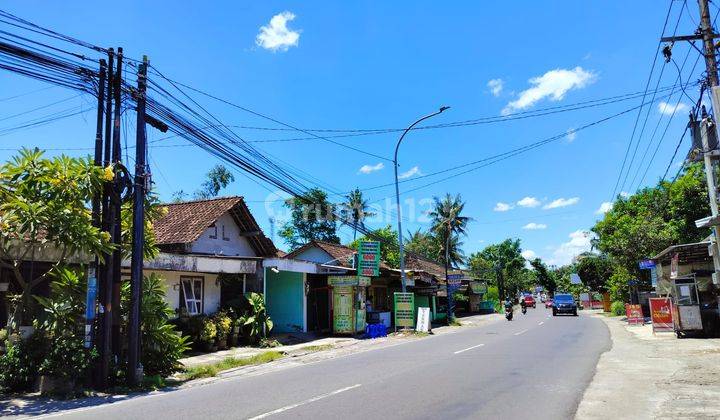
417	262
340	253
185	222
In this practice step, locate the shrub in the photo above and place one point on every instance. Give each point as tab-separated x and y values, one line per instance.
223	324
208	331
20	363
617	308
67	358
257	324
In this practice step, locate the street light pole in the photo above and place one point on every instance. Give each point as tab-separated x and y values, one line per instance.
397	192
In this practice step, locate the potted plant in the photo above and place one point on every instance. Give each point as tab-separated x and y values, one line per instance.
208	333
223	323
256	322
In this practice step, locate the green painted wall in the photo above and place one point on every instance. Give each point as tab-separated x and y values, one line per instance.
284	300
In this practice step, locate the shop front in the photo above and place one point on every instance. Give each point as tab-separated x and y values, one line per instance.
349	296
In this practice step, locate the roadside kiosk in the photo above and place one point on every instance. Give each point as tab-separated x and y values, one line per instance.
686	305
348	303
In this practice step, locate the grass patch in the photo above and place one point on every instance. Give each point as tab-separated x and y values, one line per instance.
454	323
319	347
212	369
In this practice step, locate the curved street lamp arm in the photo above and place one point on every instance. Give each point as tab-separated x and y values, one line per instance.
397	147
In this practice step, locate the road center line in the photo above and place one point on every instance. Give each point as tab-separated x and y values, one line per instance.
521	332
469	348
313	399
541	322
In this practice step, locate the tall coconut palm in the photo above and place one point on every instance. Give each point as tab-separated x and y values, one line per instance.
356	209
449	224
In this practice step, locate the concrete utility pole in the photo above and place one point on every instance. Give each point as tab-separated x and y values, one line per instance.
706	34
397	194
138	239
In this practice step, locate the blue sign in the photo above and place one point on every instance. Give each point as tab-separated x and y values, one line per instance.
646	264
91	295
653	277
454	279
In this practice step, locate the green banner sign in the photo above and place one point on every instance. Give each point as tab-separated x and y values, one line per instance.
404	305
336	281
343	310
369	258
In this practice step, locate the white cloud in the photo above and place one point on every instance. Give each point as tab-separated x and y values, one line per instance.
570	135
529	254
669	109
604	208
529	202
366	169
579	242
415	170
502	207
495	86
276	36
562	202
535	226
554	84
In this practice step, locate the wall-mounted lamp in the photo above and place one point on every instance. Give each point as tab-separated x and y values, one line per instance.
176	286
274	270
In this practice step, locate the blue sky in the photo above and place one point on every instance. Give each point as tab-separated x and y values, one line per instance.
364	65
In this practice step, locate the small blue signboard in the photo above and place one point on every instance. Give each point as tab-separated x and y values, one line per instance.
653	277
646	264
454	279
90	306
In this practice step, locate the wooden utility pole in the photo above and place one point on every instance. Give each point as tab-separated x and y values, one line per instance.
115	208
134	374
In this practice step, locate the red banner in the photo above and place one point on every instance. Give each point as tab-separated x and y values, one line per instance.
634	314
661	314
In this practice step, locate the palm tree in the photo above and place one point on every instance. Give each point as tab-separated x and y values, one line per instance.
356	209
448	223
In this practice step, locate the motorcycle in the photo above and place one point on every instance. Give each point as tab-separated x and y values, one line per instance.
524	310
508	314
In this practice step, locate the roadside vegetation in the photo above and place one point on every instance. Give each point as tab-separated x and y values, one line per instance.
212	369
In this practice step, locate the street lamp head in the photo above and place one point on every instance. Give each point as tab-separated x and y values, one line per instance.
443	108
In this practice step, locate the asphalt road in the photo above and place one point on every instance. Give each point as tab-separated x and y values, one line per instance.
535	366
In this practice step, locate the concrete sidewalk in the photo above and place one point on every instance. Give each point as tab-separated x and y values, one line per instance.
653	376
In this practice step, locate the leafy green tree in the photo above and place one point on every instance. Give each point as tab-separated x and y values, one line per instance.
448	224
504	263
544	277
389	248
618	284
654	218
355	210
422	243
594	271
218	178
312	218
43	212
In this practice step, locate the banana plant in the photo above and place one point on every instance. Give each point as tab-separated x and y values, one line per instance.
256	321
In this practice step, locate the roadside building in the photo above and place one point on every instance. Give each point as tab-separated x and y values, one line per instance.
211	252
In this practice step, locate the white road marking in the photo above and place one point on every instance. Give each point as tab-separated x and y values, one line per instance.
469	348
313	399
541	322
521	332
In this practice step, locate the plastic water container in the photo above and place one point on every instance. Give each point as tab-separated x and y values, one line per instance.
376	330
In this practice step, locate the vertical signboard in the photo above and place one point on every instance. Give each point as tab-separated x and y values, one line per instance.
343	309
369	258
404	306
423	319
90	306
661	314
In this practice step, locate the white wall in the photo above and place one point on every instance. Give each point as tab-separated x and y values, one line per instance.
211	293
236	245
316	255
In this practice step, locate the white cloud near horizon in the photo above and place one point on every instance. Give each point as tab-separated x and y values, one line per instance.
496	86
554	84
535	226
604	208
528	254
415	170
580	241
529	202
561	202
502	207
669	109
276	36
366	169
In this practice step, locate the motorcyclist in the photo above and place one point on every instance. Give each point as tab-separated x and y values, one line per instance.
523	305
508	308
